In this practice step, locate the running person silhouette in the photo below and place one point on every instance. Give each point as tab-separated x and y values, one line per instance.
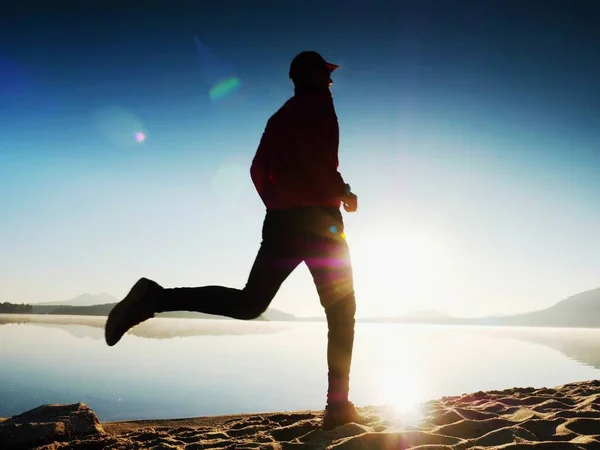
295	172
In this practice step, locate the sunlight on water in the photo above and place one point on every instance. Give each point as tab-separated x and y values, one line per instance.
170	368
400	389
399	379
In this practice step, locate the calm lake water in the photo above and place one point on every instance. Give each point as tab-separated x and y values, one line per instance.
173	368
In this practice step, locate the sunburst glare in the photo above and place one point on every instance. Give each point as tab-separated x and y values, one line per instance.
398	266
400	389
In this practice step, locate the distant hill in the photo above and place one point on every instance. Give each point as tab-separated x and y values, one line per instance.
83	300
277	315
426	313
101	304
585	301
579	310
13	308
418	316
104	310
94	310
271	314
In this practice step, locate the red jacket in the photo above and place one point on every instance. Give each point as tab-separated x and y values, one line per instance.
296	163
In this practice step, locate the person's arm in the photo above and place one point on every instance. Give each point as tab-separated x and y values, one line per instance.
349	199
260	168
336	179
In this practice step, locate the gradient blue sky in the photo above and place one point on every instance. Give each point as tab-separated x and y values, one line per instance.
469	129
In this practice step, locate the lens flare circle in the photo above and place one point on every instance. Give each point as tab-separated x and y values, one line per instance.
119	126
224	88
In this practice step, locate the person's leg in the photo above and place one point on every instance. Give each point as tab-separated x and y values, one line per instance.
275	261
277	257
329	263
270	269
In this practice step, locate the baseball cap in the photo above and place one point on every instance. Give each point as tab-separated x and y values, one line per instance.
308	60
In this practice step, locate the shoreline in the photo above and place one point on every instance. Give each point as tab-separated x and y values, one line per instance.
119	426
562	417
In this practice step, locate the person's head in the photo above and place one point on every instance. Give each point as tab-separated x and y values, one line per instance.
309	70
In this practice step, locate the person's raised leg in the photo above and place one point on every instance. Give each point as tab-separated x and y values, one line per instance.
276	259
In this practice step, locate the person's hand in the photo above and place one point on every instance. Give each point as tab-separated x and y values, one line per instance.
350	202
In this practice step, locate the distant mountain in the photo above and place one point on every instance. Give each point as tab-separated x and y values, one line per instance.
270	314
424	316
94	310
277	315
426	313
13	308
79	306
585	301
83	300
579	310
101	304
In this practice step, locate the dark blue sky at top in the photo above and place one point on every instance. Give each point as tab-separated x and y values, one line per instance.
518	70
62	58
484	85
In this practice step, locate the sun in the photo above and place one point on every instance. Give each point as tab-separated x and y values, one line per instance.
397	265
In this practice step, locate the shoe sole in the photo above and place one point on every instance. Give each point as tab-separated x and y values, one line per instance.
132	299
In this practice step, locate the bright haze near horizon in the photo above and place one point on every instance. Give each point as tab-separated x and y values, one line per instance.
470	131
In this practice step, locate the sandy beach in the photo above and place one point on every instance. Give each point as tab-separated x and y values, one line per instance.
564	417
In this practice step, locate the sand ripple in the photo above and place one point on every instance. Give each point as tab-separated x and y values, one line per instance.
566	417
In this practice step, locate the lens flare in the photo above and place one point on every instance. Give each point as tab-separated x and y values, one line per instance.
119	126
218	75
224	88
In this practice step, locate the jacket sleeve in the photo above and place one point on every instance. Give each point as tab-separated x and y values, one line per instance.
330	179
337	181
261	164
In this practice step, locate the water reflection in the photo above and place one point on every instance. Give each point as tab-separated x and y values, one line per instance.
165	328
578	344
172	368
